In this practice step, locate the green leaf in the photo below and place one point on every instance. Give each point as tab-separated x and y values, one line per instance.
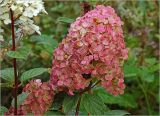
125	100
70	103
20	98
3	110
154	68
32	73
93	104
116	113
65	20
130	70
45	42
58	101
150	61
8	74
20	53
145	74
53	113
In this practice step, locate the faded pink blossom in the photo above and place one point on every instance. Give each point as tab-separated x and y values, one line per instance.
93	46
39	99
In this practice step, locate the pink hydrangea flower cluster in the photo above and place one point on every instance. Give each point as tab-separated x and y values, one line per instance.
39	99
94	46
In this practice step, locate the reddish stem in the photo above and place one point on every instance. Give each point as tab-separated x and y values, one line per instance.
14	63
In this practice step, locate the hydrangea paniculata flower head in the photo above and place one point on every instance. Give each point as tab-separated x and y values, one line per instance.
94	46
39	99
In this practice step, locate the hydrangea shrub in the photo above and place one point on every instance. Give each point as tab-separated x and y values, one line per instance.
93	49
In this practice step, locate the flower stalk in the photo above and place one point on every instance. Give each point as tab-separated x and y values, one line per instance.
14	63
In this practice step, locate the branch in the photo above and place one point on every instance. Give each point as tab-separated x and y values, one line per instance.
14	63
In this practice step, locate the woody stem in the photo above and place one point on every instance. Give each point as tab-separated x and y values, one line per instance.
14	63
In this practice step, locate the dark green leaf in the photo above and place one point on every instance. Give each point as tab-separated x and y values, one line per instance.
70	103
20	53
93	104
20	98
65	20
8	74
32	73
58	101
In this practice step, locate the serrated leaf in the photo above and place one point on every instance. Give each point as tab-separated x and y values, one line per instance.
116	113
8	74
3	110
93	104
20	53
70	103
32	73
125	100
20	98
65	20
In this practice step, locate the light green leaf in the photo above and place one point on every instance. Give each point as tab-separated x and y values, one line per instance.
116	113
8	74
93	104
65	20
20	53
20	98
125	100
3	110
32	73
70	103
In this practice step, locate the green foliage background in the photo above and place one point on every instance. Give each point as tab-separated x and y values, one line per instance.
141	69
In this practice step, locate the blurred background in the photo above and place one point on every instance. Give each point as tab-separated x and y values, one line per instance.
141	34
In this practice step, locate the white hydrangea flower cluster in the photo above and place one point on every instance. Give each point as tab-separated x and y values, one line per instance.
24	11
